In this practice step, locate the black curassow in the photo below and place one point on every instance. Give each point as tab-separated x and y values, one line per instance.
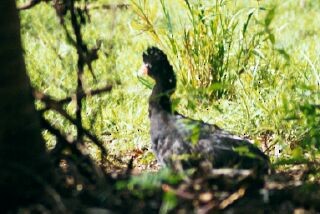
178	139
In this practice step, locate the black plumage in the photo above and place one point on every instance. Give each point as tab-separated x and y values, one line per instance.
180	140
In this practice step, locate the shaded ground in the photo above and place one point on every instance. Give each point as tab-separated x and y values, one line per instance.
84	188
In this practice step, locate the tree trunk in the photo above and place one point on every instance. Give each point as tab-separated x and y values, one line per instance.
24	163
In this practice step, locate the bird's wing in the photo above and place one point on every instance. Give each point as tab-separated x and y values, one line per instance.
210	137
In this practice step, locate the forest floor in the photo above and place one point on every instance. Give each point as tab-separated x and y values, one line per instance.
289	189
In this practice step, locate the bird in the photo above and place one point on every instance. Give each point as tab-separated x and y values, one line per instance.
181	141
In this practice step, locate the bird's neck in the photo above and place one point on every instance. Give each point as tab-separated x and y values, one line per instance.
160	97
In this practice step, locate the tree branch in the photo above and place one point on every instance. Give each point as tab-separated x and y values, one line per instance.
52	104
46	98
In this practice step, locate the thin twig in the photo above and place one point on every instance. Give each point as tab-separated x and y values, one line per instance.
63	143
232	198
108	6
54	105
177	192
45	98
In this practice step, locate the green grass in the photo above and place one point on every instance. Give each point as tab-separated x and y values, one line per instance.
250	67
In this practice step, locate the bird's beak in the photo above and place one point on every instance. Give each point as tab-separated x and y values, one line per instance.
143	70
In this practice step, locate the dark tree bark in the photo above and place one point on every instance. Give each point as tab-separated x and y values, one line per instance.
24	163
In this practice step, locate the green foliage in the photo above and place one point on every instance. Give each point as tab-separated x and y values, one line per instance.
306	113
244	151
194	130
149	184
169	202
149	181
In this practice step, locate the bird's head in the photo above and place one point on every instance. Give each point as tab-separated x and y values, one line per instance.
156	65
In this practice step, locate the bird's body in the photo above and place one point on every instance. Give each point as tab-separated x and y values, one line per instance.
178	139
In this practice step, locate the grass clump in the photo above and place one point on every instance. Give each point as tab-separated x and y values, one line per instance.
211	43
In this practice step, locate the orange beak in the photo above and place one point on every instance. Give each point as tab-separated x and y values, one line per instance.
143	70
